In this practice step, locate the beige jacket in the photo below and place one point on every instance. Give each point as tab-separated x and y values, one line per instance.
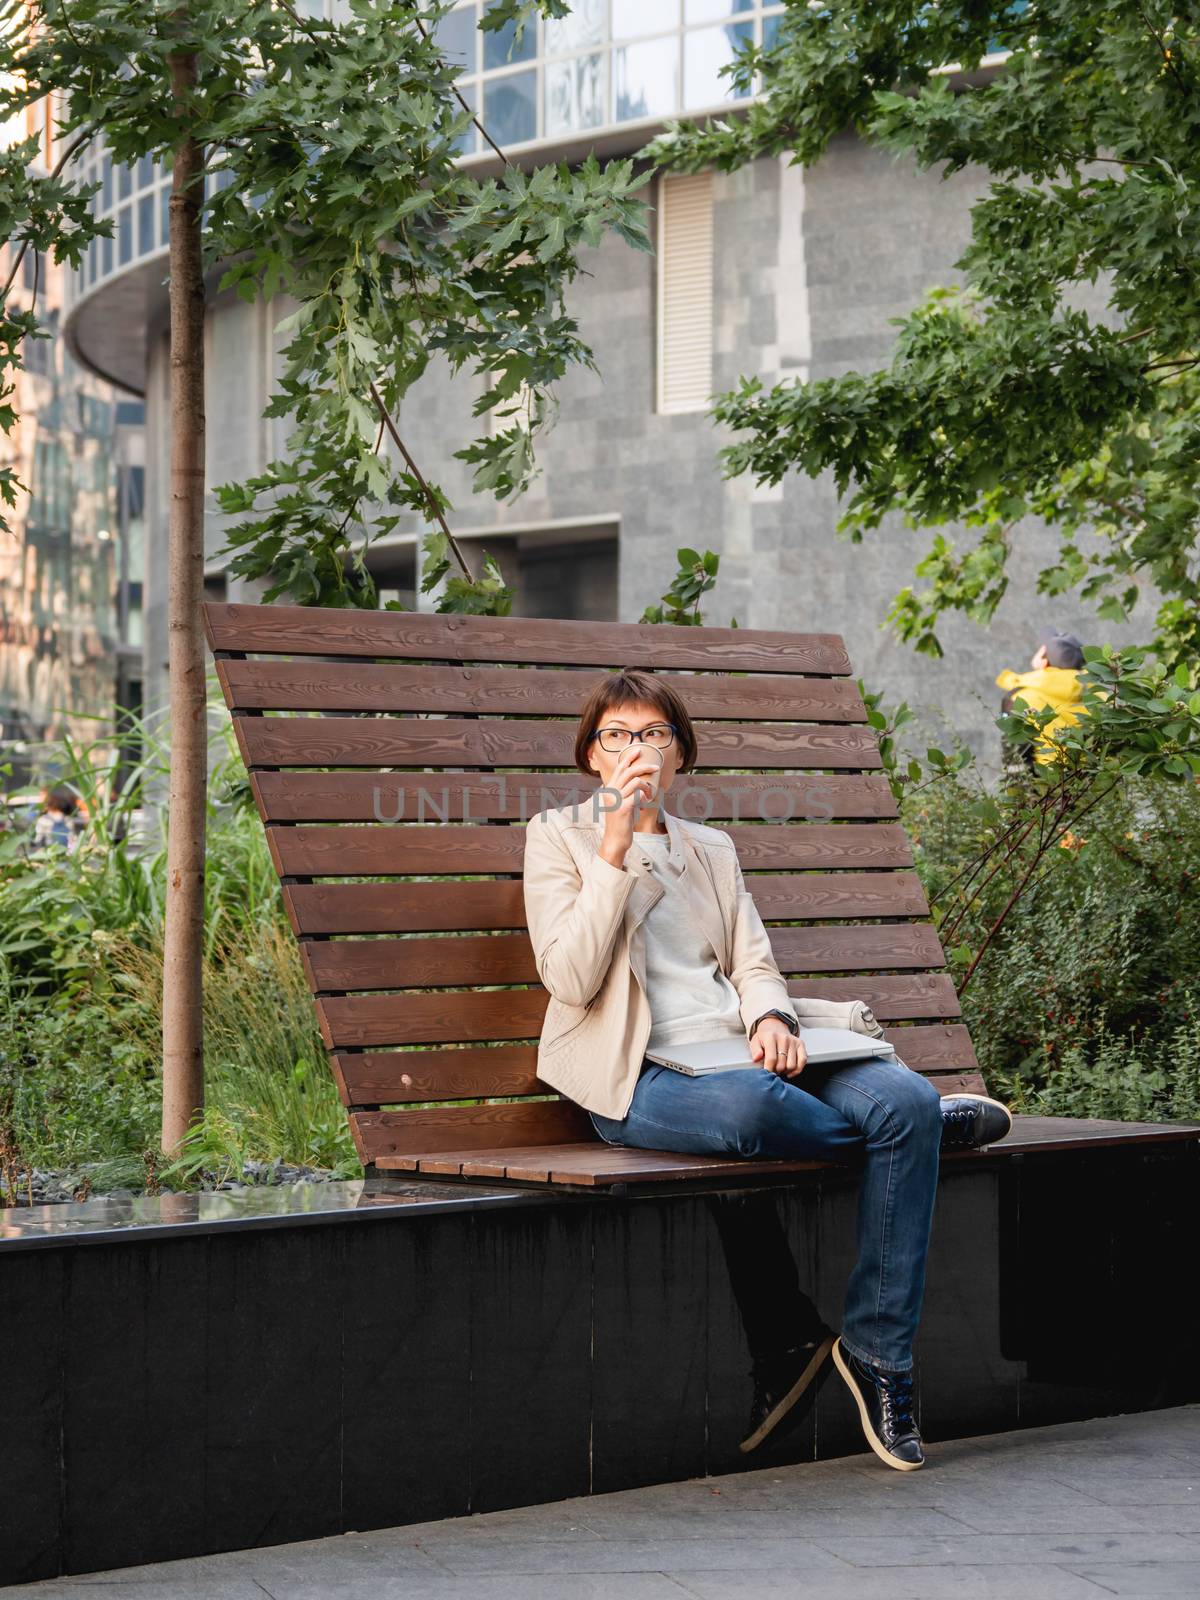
584	917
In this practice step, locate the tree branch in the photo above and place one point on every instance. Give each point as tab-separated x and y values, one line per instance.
68	154
386	415
1038	857
1168	58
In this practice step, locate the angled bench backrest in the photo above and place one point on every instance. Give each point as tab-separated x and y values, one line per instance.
395	757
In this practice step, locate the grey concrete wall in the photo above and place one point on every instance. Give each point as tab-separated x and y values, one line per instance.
808	269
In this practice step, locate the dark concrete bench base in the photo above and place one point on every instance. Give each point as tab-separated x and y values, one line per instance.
187	1377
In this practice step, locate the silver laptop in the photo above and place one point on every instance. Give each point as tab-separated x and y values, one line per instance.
718	1055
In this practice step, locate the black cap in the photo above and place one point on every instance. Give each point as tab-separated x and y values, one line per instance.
1062	649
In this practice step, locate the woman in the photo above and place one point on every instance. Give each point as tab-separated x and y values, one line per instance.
645	934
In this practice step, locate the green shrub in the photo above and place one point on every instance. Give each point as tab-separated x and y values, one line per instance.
1088	1000
1152	1080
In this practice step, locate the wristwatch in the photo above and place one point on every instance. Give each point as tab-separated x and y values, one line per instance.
793	1025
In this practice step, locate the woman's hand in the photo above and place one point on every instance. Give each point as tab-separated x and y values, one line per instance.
777	1048
631	776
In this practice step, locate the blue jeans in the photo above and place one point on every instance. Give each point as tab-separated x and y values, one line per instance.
874	1113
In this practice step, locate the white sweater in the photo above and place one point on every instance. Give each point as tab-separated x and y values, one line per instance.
690	997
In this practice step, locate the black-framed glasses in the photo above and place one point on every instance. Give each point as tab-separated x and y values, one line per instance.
658	734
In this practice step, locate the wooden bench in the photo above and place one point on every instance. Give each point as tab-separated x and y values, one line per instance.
395	757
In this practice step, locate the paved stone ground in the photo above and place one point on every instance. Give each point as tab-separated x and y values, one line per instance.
1074	1512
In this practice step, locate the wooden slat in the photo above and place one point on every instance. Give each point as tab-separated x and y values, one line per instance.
392	1077
326	908
367	1021
455	797
431	742
804	896
363	1020
936	1047
350	965
590	1165
1030	1134
845	947
314	851
601	1165
358	964
568	1164
382	908
957	1082
475	1127
433	636
361	1081
907	997
378	851
817	846
307	685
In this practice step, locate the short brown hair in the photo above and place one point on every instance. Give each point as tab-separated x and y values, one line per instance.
623	688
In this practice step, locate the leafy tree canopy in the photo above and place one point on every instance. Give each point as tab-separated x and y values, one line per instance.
334	149
1003	399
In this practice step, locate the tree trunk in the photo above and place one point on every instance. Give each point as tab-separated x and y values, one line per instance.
182	1000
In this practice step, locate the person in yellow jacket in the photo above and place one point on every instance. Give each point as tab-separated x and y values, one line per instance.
1053	680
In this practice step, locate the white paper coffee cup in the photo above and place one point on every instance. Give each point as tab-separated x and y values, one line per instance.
652	778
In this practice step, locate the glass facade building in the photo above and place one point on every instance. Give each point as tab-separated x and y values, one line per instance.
71	563
607	63
776	270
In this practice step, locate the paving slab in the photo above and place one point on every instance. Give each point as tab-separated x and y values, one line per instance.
916	1583
1079	1511
1146	1580
1003	1549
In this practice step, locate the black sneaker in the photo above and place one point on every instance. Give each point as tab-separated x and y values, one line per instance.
779	1383
885	1406
970	1121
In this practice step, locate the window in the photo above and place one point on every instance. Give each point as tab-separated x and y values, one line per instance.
50	491
633	19
510	107
685	291
603	63
39	354
146	223
569	578
646	79
458	34
574	94
502	49
705	52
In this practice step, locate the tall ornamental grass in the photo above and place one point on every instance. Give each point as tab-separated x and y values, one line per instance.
81	980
